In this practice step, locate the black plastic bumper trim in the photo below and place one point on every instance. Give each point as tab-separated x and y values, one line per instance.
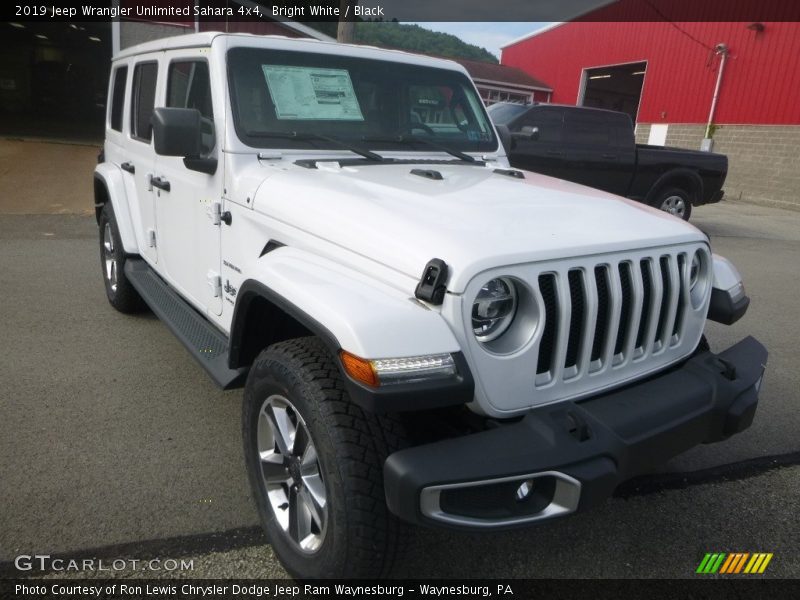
724	310
629	432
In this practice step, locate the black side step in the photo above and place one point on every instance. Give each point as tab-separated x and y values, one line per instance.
204	342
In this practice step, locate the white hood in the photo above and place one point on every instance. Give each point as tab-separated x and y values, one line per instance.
473	219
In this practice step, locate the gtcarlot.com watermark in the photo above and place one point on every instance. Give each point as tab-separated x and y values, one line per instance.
47	563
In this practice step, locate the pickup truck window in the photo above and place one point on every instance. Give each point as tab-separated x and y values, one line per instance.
549	121
354	99
586	129
503	113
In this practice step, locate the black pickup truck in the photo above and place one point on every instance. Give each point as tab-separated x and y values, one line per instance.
597	148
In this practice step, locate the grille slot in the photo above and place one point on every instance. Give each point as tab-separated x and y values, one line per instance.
603	311
607	315
577	297
547	287
682	293
663	310
624	270
647	285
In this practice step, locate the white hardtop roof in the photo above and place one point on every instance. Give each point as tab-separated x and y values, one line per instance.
205	39
192	40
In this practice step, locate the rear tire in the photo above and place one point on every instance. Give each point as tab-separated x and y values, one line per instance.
675	201
295	400
120	292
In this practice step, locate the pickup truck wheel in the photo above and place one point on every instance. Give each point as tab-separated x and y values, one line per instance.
315	464
675	201
120	292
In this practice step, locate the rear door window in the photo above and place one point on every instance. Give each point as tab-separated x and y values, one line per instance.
118	97
144	96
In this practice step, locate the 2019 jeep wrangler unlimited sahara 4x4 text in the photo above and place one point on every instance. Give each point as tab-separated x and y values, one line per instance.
424	335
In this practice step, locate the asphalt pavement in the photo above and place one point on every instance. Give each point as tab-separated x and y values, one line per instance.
114	443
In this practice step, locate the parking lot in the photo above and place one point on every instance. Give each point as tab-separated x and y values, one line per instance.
114	443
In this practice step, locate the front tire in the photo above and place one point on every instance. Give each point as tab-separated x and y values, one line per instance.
315	464
675	201
120	292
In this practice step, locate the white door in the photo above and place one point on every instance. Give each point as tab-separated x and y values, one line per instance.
138	159
189	234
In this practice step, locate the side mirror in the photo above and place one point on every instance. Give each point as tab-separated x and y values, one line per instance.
526	133
505	137
176	131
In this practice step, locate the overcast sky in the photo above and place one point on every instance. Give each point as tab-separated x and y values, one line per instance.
487	35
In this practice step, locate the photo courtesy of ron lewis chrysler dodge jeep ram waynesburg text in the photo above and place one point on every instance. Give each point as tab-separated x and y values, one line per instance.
424	335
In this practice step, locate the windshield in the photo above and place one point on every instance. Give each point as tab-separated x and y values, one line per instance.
361	100
503	113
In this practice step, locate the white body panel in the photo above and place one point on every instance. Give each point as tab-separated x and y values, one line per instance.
355	308
473	219
358	237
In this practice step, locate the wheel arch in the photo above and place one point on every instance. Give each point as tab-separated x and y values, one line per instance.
109	186
305	294
262	317
685	179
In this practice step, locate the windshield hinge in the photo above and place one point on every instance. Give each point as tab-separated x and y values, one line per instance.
217	216
215	212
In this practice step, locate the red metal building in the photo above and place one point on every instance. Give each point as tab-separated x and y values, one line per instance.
664	73
761	80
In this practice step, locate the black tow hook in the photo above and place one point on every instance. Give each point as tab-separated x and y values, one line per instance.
726	369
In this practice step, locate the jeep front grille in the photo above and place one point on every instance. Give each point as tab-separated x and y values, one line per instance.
615	311
602	320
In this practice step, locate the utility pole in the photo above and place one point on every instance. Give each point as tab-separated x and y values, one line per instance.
346	30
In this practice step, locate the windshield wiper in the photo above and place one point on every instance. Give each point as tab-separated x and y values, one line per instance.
411	139
309	137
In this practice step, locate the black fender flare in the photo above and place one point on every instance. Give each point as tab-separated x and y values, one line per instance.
249	291
672	177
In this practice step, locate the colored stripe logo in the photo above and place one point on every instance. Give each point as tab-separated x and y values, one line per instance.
734	563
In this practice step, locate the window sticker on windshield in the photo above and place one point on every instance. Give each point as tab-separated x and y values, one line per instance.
309	93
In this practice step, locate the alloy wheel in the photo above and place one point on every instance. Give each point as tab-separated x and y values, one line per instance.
109	258
291	473
674	205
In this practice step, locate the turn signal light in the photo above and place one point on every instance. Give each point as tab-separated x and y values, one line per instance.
390	371
359	369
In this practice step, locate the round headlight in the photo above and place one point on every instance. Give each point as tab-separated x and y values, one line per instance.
699	278
494	309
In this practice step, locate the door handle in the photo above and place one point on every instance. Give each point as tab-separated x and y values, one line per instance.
160	183
554	153
127	166
609	155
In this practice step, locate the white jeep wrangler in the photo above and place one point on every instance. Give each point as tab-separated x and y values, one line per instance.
424	335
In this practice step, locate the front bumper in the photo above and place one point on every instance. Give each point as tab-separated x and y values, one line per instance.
570	456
